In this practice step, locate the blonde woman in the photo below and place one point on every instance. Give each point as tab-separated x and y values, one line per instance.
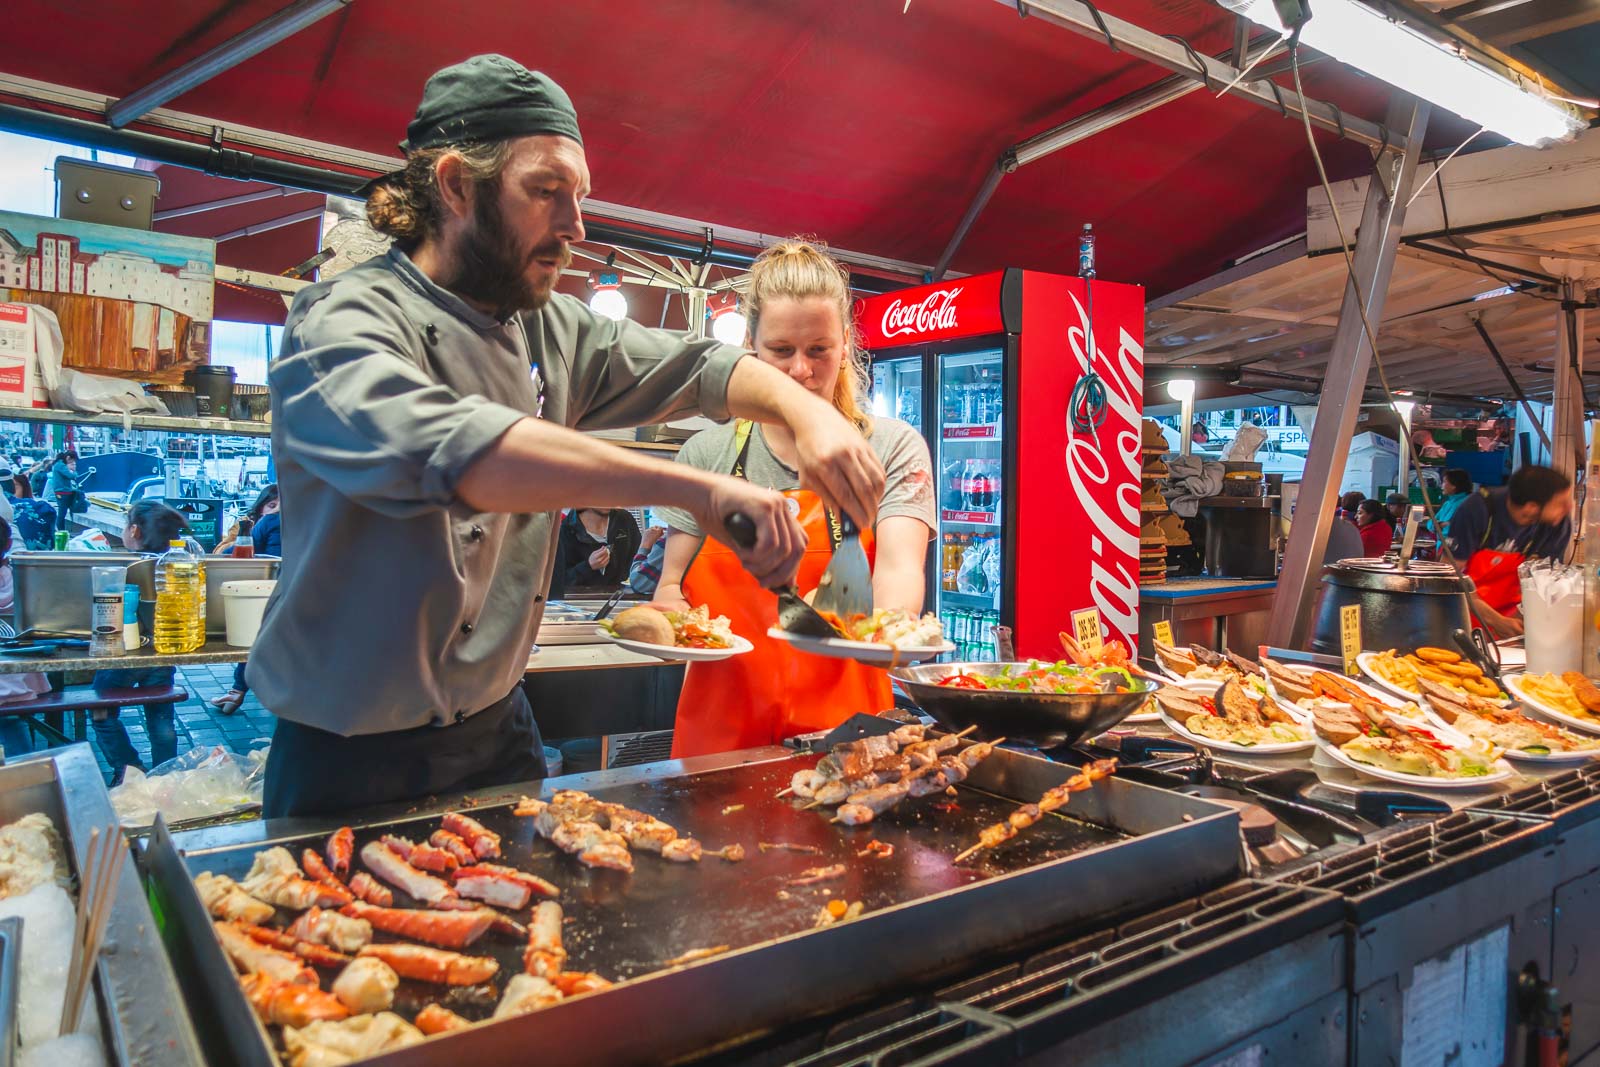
800	321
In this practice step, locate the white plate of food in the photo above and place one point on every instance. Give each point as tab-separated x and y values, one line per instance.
1395	749
1549	697
870	652
1230	725
694	636
1385	670
1525	738
886	638
1499	771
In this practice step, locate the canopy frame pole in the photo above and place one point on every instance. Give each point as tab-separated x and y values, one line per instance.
1078	129
225	56
1181	58
1377	244
1511	380
1567	455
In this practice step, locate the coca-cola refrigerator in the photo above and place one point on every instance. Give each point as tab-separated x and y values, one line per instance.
1035	438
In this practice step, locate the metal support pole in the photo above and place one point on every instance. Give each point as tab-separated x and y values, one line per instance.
696	299
1003	166
1186	425
1511	380
228	201
1567	452
1382	222
230	53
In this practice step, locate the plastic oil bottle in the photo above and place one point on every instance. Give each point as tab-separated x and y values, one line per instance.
180	600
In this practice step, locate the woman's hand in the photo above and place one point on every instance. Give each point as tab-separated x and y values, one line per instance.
670	598
651	536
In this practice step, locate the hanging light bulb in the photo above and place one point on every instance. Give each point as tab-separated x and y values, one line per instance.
607	298
728	325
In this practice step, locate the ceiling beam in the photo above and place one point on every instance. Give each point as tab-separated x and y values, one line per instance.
225	56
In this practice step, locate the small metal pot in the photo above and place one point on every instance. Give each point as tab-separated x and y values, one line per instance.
1401	609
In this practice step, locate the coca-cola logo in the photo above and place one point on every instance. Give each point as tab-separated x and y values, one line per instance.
936	311
1113	581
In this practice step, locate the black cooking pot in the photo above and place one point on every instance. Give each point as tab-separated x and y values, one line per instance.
1423	604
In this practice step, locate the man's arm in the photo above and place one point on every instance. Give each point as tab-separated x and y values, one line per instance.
836	462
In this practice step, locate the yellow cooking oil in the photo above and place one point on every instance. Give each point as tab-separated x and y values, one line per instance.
180	600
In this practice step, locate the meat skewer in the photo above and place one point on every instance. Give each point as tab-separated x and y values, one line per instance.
433	964
484	843
1028	814
891	755
341	846
863	807
452	929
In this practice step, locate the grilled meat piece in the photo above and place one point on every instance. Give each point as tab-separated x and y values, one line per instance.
433	965
332	929
388	865
366	985
484	844
290	1003
341	846
224	899
364	887
275	879
252	957
452	929
438	1019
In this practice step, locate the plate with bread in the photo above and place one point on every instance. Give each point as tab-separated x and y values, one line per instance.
692	636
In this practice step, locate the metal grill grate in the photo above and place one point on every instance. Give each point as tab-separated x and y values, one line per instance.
1411	862
1569	798
976	1019
641	748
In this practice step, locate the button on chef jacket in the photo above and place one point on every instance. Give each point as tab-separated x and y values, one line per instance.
397	605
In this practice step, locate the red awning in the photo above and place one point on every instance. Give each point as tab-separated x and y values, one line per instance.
846	119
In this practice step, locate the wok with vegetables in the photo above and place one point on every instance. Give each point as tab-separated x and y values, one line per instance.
1030	702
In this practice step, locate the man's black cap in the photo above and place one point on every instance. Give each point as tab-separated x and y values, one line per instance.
489	98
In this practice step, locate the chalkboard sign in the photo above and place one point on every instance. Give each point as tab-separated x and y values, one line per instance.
204	515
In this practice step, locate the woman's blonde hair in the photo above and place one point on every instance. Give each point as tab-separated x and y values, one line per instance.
800	269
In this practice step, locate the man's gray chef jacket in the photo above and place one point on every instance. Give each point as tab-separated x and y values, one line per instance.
398	606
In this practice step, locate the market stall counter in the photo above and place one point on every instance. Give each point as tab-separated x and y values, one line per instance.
1214	612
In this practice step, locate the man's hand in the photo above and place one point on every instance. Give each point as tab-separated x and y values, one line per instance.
780	543
838	465
599	558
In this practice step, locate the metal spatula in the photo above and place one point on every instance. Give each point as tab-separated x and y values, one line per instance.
794	614
846	586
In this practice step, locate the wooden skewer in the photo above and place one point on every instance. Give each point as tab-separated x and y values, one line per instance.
968	852
80	922
96	894
785	791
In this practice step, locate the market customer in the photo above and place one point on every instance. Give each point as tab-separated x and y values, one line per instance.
152	526
267	536
1493	530
64	487
15	738
597	548
35	520
1377	534
799	310
424	407
644	576
1455	486
1349	504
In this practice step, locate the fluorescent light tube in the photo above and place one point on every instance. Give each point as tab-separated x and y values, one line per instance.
1360	36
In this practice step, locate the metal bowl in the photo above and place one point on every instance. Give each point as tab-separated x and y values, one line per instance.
1043	720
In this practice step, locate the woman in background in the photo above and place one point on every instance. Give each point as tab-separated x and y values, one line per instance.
1377	533
33	519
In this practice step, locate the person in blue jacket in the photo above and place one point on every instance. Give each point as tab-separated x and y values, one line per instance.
268	536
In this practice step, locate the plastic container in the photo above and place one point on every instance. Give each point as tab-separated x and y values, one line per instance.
180	622
244	603
213	391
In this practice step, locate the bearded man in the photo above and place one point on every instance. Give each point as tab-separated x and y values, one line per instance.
426	409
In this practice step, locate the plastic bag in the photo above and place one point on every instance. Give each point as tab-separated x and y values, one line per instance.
1552	616
199	783
94	393
89	541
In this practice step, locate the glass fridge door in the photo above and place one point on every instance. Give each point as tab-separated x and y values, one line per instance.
897	390
969	453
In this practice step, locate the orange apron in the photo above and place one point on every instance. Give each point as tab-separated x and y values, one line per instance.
773	692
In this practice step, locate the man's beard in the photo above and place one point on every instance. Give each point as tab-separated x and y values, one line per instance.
492	268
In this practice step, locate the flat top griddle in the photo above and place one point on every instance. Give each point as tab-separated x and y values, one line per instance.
624	925
1118	848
